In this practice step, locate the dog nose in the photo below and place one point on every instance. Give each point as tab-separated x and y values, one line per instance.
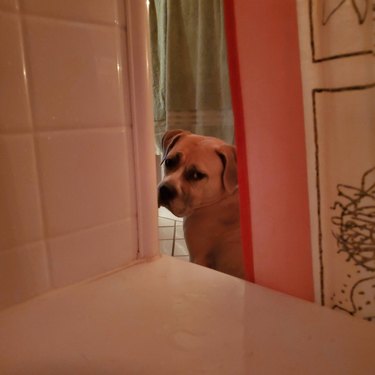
166	194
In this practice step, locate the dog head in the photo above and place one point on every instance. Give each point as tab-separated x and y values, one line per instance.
199	171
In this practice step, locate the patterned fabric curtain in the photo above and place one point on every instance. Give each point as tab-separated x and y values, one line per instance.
338	73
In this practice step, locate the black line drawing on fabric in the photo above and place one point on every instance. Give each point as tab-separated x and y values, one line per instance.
359	6
360	301
355	236
330	7
356	221
314	93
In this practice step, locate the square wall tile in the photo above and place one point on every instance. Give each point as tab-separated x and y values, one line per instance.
92	252
75	74
10	5
20	209
14	110
87	178
101	11
23	273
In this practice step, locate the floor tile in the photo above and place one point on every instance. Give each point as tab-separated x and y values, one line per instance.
163	222
180	248
164	212
166	233
179	232
166	246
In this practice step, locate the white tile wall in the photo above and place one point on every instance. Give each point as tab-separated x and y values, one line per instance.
74	75
24	272
95	11
67	184
84	176
20	209
92	251
14	110
10	5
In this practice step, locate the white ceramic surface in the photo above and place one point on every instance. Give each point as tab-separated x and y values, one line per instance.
173	317
68	194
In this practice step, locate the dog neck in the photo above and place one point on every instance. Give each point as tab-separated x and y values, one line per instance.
226	204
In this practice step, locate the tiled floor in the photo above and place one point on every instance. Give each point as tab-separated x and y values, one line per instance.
171	235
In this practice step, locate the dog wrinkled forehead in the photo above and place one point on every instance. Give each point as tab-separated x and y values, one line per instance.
172	136
183	146
188	141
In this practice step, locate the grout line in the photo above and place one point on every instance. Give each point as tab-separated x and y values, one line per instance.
169	218
69	233
174	238
127	71
15	132
62	130
65	129
13	12
93	227
22	246
75	22
36	155
122	74
81	283
88	128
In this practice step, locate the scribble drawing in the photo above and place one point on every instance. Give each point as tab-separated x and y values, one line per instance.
356	221
362	299
355	236
331	7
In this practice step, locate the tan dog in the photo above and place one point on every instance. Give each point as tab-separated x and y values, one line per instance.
200	185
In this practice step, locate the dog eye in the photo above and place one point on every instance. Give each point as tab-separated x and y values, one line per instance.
172	162
169	163
196	176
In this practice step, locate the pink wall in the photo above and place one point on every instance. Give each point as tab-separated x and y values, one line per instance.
273	115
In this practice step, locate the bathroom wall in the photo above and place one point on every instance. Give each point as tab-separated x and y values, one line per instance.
67	190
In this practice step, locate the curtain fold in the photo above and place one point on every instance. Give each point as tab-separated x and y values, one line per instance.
190	71
338	73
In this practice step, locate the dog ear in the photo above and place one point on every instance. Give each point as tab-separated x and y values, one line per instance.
169	139
227	154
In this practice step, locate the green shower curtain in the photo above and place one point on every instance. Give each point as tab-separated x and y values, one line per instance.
190	71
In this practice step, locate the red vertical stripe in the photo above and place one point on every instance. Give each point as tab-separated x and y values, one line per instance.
237	105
